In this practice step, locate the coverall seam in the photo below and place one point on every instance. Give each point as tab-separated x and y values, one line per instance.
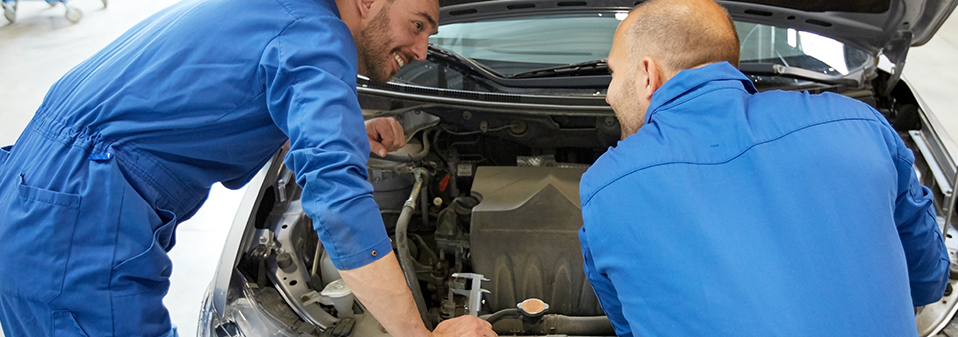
66	264
288	11
240	106
636	170
119	221
263	51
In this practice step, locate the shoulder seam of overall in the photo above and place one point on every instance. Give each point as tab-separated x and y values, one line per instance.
636	170
280	33
287	9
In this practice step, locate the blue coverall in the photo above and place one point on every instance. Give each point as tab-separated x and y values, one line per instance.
732	213
128	143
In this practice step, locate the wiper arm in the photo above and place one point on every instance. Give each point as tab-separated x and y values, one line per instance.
464	61
528	81
773	69
594	67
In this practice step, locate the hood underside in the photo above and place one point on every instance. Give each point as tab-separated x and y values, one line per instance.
871	25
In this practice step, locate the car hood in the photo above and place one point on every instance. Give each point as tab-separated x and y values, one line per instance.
875	26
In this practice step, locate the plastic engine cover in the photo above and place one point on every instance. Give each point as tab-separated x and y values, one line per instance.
524	238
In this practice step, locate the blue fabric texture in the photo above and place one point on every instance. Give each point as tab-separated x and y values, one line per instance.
736	213
186	99
127	144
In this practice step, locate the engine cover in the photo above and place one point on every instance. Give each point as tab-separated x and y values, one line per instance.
524	238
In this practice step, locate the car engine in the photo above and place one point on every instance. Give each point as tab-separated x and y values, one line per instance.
482	225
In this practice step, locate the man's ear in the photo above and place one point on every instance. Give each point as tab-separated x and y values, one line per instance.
655	77
365	8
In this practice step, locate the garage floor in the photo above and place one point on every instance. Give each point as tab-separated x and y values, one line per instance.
42	45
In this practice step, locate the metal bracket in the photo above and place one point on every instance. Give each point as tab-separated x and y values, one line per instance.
474	293
896	50
286	175
287	267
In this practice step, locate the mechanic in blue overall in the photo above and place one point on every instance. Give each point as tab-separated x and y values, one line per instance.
127	144
726	212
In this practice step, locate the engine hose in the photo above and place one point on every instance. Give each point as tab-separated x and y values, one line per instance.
424	201
509	323
402	246
509	312
577	325
408	158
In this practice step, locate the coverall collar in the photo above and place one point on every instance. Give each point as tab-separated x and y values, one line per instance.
692	79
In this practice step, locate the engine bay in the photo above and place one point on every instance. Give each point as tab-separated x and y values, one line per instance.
476	232
482	207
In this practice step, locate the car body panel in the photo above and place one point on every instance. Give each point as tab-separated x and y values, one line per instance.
867	24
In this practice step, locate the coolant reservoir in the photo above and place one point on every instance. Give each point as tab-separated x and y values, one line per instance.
341	296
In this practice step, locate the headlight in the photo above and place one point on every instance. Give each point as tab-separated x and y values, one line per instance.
242	317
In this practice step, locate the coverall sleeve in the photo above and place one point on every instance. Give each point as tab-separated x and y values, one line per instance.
604	289
309	74
921	239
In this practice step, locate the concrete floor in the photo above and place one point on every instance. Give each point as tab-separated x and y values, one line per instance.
42	45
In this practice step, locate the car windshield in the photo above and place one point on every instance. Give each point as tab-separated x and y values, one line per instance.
518	45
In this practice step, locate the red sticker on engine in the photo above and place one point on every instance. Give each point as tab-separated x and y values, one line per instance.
443	183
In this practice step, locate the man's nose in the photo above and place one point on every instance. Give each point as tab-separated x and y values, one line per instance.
420	49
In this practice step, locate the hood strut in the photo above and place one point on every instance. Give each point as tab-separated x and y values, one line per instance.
896	50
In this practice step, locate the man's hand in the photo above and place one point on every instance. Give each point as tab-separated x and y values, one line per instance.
464	326
381	287
385	135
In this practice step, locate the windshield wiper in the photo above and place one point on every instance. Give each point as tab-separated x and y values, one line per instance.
773	69
594	67
469	63
527	81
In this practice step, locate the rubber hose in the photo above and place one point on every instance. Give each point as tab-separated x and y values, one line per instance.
513	312
578	325
402	246
552	324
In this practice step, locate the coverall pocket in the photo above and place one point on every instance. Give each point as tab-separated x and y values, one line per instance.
65	325
36	239
152	267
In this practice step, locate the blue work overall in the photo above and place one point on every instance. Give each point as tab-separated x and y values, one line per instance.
78	227
128	143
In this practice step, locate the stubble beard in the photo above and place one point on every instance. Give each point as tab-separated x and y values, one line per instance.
374	54
629	111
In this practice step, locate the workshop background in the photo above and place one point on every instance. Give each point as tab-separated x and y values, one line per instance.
42	45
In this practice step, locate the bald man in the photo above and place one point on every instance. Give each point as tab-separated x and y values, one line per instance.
727	212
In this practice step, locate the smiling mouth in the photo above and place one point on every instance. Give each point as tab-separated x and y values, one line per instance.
399	60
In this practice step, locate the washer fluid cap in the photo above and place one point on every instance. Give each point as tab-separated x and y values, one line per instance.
336	289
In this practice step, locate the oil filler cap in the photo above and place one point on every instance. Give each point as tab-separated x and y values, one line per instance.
532	307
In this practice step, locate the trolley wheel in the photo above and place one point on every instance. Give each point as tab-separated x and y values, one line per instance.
74	14
10	10
104	3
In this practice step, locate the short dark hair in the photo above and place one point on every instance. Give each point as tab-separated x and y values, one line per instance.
681	36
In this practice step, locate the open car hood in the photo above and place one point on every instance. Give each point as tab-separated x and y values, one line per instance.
889	27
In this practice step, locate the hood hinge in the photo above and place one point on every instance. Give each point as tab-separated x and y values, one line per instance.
896	50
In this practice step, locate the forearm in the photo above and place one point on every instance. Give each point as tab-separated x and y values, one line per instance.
381	287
